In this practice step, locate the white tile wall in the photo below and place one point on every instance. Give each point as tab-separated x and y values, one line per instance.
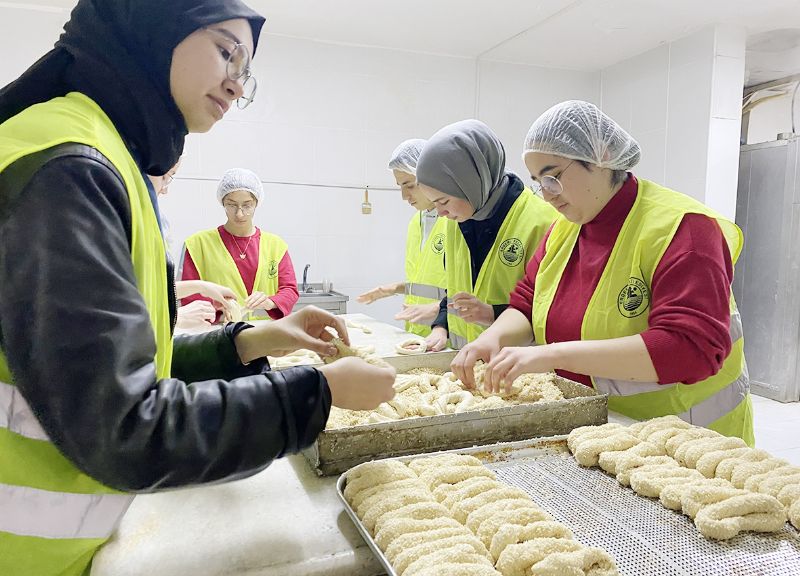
777	428
771	118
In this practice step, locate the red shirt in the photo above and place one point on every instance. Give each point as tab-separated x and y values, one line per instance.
287	294
687	337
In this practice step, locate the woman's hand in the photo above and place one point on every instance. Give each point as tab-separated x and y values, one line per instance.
511	362
470	309
484	348
303	329
380	292
258	300
196	314
219	294
418	313
437	339
356	385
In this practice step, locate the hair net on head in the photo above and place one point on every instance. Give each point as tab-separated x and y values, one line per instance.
405	157
239	179
580	131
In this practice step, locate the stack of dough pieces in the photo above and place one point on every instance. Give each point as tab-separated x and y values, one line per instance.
719	482
448	515
430	394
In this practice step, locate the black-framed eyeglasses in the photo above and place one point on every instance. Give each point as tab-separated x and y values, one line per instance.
238	69
550	184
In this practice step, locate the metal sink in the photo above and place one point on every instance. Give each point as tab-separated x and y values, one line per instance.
330	300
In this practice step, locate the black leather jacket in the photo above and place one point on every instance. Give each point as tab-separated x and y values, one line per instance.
78	340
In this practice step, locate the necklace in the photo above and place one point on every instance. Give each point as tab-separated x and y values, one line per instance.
242	253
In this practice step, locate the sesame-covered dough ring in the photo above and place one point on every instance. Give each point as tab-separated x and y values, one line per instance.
794	514
407	557
415	511
521	517
688	453
405	483
435	477
584	562
609	461
754	482
518	559
393	530
727	466
672	495
391	469
695	498
650	480
628	465
789	495
671	445
582	433
463	401
588	452
391	502
661	437
458	554
462	509
532	512
412	346
644	429
744	471
708	462
746	512
509	534
476	487
450	569
419	465
774	485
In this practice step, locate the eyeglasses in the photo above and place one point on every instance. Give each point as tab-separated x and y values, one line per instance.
167	180
238	68
247	209
550	184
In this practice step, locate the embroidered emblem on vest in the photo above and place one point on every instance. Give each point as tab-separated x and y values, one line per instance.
272	271
438	243
512	252
633	299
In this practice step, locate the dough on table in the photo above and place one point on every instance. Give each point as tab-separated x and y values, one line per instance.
412	346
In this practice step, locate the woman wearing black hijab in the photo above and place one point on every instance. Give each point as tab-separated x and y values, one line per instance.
94	400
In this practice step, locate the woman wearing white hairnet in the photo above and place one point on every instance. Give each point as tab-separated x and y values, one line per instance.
494	225
254	264
425	281
631	291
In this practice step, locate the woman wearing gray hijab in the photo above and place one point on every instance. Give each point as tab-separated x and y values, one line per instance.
494	225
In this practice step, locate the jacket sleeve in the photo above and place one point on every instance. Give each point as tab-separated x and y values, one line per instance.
79	344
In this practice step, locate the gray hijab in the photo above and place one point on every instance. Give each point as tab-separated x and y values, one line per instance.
466	160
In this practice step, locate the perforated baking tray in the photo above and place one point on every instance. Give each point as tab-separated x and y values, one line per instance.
645	538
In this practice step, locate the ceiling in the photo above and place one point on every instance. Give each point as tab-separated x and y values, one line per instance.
572	34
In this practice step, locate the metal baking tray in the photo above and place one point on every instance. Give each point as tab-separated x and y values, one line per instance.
644	538
338	450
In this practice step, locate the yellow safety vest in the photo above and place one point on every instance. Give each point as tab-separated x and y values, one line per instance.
425	275
619	307
524	227
215	263
52	516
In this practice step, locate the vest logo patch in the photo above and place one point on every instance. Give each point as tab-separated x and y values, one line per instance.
272	271
512	252
438	244
633	299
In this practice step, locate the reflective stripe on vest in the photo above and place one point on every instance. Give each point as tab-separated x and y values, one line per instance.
215	264
45	514
52	515
619	307
425	291
16	415
524	227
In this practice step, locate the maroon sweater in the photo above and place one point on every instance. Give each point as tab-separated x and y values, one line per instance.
687	335
287	294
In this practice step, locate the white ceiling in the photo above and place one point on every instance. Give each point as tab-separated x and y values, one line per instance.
572	34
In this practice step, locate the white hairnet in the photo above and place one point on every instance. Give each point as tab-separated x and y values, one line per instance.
405	157
580	131
239	179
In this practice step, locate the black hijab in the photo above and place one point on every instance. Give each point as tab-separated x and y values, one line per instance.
119	53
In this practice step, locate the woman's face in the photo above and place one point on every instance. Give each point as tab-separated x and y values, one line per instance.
240	205
449	207
199	73
585	191
410	190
